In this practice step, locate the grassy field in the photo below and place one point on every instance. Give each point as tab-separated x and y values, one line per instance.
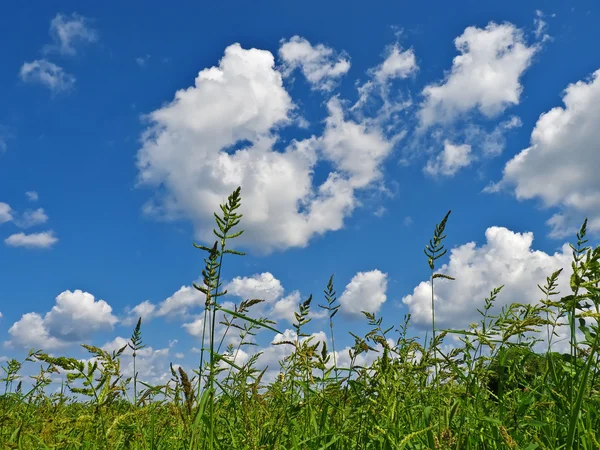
493	392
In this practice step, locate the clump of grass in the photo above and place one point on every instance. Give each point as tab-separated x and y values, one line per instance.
493	392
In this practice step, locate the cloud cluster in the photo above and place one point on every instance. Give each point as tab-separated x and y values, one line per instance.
189	154
187	300
28	218
366	291
225	131
66	33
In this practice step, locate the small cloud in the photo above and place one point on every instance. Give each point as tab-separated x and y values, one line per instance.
397	64
142	60
540	26
45	239
48	74
321	67
67	32
379	211
5	213
264	286
365	292
31	218
451	160
407	221
32	196
145	310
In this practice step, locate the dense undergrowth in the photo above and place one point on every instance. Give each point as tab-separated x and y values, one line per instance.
492	392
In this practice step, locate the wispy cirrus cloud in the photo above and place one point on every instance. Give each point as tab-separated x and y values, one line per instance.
48	74
321	66
67	32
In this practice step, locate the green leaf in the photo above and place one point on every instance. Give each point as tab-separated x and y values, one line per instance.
249	319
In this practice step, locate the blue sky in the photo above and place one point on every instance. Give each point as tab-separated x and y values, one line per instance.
351	130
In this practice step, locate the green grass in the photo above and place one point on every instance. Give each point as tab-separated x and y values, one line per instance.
492	392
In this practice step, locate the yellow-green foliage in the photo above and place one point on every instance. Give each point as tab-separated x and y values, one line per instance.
492	392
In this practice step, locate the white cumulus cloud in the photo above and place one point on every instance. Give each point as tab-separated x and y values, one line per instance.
187	155
505	259
74	318
45	239
262	286
365	292
486	75
560	165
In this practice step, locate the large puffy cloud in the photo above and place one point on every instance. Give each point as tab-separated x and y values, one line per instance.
486	75
31	331
74	318
319	64
560	166
189	151
505	259
365	292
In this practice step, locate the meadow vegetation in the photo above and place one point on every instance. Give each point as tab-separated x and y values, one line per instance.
491	392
